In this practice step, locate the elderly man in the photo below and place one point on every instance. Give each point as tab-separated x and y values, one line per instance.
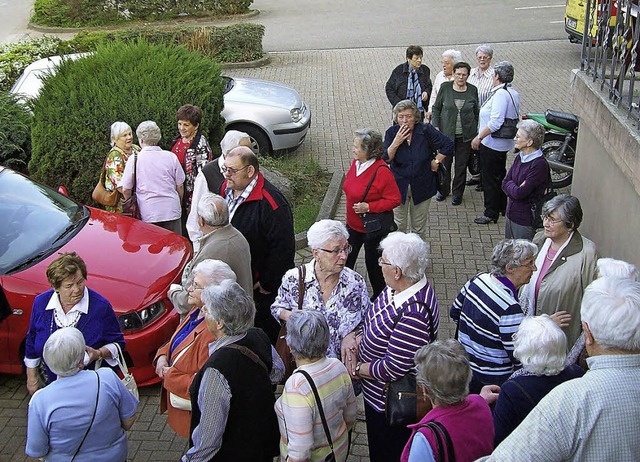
158	180
410	80
219	241
263	215
596	417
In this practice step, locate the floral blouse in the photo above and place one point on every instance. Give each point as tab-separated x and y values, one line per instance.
116	161
344	310
192	156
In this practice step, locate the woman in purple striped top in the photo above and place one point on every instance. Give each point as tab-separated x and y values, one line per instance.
395	327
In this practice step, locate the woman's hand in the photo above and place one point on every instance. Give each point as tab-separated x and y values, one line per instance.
403	135
349	352
475	143
361	207
561	318
94	354
162	365
33	381
284	314
490	393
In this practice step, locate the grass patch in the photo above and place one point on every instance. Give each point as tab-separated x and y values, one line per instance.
309	184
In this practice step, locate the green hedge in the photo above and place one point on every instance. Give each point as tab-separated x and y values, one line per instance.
15	133
14	57
131	82
84	13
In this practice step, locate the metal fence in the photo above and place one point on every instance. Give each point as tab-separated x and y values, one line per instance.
610	49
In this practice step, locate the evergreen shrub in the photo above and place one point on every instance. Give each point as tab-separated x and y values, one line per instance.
15	133
132	82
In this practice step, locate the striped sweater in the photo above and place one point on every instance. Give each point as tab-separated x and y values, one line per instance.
488	314
391	350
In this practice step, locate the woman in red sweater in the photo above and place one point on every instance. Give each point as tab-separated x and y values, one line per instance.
383	195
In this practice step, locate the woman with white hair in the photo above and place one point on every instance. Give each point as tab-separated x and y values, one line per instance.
121	148
402	319
449	58
231	397
488	313
83	415
302	433
541	347
178	360
338	292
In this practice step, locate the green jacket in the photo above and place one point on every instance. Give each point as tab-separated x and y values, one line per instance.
445	112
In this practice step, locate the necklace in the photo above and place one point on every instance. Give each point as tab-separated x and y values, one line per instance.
71	321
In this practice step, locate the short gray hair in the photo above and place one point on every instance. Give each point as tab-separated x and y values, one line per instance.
117	129
504	71
455	55
64	351
403	106
534	131
149	133
308	334
512	253
443	370
617	268
611	308
540	345
232	139
568	209
325	230
371	142
214	271
213	209
486	49
228	303
408	252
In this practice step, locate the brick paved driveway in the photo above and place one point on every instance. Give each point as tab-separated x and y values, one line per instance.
345	89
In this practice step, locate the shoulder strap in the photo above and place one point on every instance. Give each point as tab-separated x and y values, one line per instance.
249	354
319	404
366	191
429	314
439	442
95	409
451	456
512	100
302	273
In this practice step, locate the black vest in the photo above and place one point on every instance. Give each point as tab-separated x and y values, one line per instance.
251	434
214	177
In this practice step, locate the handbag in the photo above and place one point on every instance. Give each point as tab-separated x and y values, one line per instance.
93	417
474	163
509	128
100	194
178	401
130	206
330	457
444	445
538	203
127	378
377	225
404	402
281	347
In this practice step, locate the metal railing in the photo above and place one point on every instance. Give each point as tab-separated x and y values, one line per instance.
610	49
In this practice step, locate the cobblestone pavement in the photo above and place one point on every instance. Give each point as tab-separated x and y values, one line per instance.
345	90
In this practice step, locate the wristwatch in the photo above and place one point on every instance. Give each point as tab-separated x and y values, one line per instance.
436	161
356	372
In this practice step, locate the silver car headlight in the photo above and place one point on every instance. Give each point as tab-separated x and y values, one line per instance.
297	114
136	320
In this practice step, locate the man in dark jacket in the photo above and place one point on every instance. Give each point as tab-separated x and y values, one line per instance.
263	215
410	80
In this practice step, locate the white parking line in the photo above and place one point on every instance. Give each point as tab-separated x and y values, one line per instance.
556	22
538	7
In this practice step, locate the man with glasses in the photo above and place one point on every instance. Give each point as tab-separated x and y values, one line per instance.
262	214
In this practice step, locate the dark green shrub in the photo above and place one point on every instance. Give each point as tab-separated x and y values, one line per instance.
15	133
130	82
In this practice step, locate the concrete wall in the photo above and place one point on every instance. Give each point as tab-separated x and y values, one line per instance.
607	172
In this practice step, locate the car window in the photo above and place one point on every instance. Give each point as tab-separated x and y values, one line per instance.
35	221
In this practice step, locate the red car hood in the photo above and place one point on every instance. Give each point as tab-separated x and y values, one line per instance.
129	262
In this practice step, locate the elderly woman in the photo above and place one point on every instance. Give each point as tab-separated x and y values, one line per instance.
69	303
443	376
157	178
455	113
188	349
338	292
410	80
191	148
566	264
84	414
482	76
526	181
449	58
231	397
402	319
409	150
369	187
504	103
487	312
121	148
541	347
303	437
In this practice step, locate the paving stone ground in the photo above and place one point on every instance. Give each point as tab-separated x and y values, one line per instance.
345	90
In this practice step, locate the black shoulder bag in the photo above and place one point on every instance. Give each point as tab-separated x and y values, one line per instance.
377	225
509	128
130	206
281	346
537	203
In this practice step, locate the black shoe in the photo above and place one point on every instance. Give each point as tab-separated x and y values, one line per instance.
440	197
484	220
457	200
479	188
473	182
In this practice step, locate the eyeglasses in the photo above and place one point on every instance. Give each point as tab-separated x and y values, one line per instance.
552	221
382	262
346	250
530	265
194	286
233	171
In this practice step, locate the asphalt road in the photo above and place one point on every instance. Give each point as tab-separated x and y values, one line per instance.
15	16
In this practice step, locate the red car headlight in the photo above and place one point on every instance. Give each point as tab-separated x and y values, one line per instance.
136	320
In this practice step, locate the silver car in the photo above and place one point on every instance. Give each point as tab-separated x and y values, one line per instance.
273	114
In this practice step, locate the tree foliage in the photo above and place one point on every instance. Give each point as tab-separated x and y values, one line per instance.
15	133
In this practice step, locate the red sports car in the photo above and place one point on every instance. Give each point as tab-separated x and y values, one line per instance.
129	262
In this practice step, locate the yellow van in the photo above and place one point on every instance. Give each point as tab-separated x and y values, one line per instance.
575	14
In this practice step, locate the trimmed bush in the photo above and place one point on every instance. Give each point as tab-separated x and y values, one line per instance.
14	57
130	82
15	133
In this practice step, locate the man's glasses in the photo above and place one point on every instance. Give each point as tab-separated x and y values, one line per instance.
346	250
233	171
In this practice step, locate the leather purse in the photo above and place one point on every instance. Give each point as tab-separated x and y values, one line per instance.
130	206
509	128
101	195
127	378
377	225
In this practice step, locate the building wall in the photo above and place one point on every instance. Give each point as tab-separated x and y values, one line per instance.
607	172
